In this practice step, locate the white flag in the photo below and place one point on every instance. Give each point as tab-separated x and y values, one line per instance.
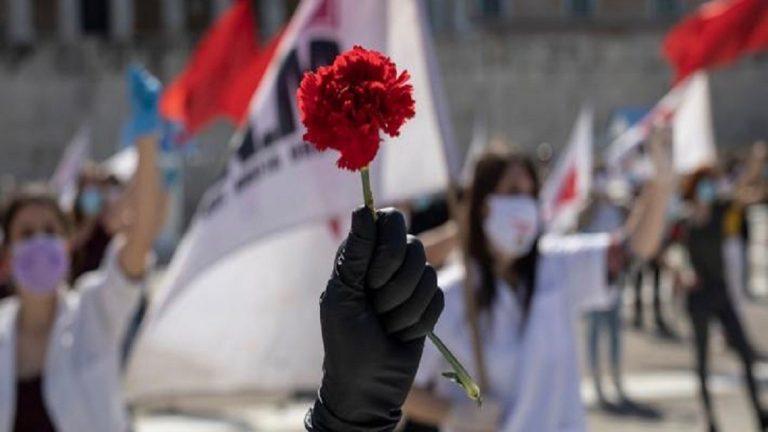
566	190
238	308
625	144
694	141
687	108
64	179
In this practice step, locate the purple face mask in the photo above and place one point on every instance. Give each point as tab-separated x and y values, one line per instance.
40	264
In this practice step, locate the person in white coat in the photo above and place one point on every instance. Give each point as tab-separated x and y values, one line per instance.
60	347
526	289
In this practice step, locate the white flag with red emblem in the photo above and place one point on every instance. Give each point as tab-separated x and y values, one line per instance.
687	108
566	190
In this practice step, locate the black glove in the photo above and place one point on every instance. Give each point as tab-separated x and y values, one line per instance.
380	303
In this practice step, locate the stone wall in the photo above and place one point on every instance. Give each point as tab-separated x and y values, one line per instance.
529	83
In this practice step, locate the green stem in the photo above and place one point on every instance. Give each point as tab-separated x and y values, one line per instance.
367	191
459	375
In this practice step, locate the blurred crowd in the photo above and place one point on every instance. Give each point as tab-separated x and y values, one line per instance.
700	266
512	294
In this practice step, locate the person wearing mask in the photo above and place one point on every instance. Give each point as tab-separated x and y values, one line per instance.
708	296
603	316
525	288
60	348
96	218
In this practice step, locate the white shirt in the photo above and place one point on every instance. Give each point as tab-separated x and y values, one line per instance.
81	379
533	374
606	218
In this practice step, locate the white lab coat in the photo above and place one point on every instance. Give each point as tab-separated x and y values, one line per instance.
533	374
81	379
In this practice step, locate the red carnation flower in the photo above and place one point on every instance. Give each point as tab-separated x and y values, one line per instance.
346	104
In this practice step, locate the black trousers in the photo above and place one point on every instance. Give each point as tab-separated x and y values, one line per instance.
658	316
704	307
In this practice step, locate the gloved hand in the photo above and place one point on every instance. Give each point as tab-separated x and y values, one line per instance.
381	301
144	92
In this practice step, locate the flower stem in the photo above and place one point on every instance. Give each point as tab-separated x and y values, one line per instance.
459	375
367	191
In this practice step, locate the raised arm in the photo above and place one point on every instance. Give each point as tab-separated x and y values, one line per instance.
748	189
148	195
646	223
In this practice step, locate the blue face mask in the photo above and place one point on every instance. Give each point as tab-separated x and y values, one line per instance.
706	192
90	202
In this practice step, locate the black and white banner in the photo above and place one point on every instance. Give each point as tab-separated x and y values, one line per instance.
237	309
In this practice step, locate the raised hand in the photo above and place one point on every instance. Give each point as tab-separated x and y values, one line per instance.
381	301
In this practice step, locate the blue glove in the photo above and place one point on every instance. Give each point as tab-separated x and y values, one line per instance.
144	90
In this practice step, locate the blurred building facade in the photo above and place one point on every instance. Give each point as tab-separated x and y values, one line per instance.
524	66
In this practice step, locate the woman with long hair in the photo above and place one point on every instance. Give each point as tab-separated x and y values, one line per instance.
525	287
60	347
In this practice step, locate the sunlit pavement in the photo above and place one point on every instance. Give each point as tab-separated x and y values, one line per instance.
659	374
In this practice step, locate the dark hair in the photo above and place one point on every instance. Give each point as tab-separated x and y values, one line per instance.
91	173
33	194
489	170
691	182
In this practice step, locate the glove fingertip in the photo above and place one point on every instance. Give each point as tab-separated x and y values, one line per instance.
363	224
391	221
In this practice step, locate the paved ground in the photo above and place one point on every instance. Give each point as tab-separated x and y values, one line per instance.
658	375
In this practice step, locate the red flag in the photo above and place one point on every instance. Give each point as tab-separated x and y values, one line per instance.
718	33
222	74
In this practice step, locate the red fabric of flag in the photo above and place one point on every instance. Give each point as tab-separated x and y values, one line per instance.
718	33
569	188
235	99
224	71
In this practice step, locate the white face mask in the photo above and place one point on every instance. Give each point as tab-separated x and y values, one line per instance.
512	224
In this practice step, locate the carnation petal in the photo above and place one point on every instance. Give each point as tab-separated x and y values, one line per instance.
345	105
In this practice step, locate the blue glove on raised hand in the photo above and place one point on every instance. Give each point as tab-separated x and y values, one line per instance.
144	91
